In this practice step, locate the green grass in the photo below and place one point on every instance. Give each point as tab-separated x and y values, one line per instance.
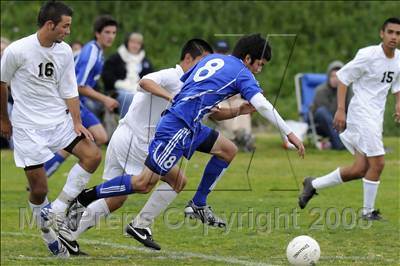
253	206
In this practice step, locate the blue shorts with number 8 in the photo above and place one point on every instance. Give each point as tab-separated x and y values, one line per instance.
173	139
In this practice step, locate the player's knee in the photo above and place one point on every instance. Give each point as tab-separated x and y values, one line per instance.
101	138
377	167
143	187
180	184
359	171
230	151
92	158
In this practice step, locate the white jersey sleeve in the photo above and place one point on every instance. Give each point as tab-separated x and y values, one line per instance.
396	84
354	69
9	64
166	78
68	87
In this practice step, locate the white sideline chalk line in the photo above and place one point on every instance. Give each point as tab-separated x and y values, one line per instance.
167	254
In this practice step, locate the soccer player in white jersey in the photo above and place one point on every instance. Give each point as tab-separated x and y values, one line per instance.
373	71
128	147
46	115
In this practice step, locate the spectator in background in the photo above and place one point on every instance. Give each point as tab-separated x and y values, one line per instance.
237	129
76	47
123	70
324	107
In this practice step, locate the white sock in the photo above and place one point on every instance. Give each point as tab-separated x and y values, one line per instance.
36	210
48	235
158	202
331	179
91	216
370	191
76	182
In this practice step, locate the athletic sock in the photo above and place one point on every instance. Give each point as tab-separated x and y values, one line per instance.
53	164
36	211
212	173
329	180
370	191
118	186
76	182
157	203
91	216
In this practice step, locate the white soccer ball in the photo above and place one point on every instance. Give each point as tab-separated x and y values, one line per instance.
303	250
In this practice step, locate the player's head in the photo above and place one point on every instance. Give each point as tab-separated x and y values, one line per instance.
254	51
193	51
55	19
105	30
390	32
134	42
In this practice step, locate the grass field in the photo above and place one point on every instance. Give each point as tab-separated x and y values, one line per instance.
261	210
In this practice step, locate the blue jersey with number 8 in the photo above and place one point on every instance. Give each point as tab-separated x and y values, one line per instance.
215	78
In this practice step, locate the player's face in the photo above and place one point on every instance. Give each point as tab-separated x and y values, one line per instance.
333	80
106	37
62	29
391	35
257	65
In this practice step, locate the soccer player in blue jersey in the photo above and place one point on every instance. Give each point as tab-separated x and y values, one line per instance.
180	131
88	67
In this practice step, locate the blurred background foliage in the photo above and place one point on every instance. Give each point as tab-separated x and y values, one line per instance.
324	31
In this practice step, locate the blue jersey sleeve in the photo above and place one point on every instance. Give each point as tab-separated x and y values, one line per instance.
248	85
84	64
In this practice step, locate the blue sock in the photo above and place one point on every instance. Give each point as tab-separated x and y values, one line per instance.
52	165
214	170
118	186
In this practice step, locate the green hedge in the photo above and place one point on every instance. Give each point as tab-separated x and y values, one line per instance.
325	31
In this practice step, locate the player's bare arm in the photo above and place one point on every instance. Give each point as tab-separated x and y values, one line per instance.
397	107
223	113
339	121
73	107
152	87
5	125
109	103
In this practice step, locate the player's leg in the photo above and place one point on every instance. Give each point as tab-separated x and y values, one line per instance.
344	174
371	182
158	201
223	151
54	163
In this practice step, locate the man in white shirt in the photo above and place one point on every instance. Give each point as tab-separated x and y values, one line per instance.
46	117
373	71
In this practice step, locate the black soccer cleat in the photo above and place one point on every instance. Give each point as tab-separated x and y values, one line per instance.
72	246
143	235
308	192
203	213
74	214
375	215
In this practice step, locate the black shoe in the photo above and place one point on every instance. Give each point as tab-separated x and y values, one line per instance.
143	235
203	213
375	215
74	214
72	246
308	192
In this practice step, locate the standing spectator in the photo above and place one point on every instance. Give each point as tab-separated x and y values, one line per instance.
324	106
123	70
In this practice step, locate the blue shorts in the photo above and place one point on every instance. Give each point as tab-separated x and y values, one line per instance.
174	139
87	117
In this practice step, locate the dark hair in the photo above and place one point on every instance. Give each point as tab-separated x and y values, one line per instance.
53	11
253	45
103	21
394	20
196	47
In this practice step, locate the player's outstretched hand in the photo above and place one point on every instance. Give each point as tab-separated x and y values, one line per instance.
110	103
339	121
297	143
397	113
6	128
80	129
246	108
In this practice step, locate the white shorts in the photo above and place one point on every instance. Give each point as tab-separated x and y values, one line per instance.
364	139
125	153
37	146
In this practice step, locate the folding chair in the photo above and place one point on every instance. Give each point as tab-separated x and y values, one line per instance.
305	85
